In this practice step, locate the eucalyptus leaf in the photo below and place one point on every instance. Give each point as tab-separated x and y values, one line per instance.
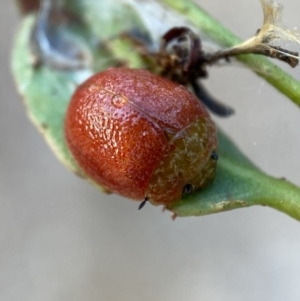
46	92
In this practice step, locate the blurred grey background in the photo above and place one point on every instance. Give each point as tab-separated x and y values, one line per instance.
61	239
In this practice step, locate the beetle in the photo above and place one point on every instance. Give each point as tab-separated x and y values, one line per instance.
140	135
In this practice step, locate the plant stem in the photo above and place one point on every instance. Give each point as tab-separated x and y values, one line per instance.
268	191
282	81
284	197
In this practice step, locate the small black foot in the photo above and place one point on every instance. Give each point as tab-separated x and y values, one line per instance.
143	203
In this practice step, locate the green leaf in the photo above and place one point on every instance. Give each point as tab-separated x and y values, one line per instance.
46	93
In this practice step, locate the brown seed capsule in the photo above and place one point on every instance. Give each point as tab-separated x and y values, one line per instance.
141	136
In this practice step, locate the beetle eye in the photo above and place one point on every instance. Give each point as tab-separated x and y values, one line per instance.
214	156
188	188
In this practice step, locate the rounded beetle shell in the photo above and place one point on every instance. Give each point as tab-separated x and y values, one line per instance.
140	135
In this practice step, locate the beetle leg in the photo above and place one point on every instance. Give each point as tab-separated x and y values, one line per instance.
143	203
212	104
